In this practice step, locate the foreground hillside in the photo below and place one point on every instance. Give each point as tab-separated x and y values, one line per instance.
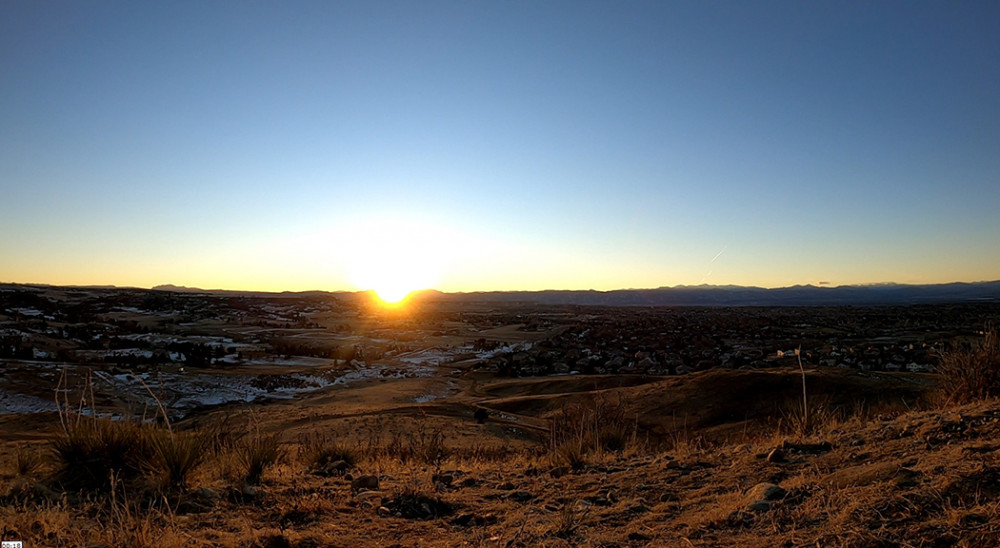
552	464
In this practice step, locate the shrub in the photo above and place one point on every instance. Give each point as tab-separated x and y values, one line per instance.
322	455
174	456
423	446
26	462
90	450
972	373
570	453
255	454
601	425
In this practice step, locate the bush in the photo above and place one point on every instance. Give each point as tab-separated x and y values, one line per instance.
570	453
973	373
174	456
324	456
601	425
255	454
90	450
424	446
26	462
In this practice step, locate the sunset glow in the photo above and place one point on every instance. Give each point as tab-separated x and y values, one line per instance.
392	257
477	146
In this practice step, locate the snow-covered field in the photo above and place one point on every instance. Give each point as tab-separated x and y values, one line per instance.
12	402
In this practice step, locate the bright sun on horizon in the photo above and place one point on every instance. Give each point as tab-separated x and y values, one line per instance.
393	258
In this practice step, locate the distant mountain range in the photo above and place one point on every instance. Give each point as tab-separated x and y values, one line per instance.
713	295
719	295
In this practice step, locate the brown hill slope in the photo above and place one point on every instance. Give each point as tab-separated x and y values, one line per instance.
916	478
721	404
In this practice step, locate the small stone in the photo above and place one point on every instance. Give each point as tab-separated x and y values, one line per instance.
444	479
766	491
207	494
369	483
761	497
668	497
481	415
559	471
335	467
520	496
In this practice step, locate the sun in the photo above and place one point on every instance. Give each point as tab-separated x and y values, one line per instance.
392	286
394	259
392	295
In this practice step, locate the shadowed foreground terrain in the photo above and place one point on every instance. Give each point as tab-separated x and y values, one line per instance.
326	423
430	475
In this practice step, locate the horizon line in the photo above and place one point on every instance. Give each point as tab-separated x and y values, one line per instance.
183	288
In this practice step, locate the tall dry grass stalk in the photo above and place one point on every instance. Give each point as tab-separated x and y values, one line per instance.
969	374
599	427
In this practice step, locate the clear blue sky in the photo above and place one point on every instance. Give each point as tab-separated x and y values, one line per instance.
499	145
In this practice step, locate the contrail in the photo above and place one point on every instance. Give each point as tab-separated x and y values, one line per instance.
719	254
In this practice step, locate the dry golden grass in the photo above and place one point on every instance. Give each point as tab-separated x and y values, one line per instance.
973	373
856	478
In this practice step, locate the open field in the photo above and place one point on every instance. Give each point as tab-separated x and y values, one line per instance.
490	424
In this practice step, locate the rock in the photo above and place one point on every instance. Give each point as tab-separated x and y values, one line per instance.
383	512
776	455
335	468
906	478
812	448
207	494
668	497
41	491
444	478
766	491
368	496
475	520
369	483
520	496
761	497
599	500
861	475
248	490
481	415
559	471
274	541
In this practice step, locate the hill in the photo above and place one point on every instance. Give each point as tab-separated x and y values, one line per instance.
707	295
734	472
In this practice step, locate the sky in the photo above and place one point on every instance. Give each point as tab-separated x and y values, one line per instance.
471	145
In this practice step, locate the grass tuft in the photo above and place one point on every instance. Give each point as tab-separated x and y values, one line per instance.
173	457
255	454
91	450
26	461
326	457
970	374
